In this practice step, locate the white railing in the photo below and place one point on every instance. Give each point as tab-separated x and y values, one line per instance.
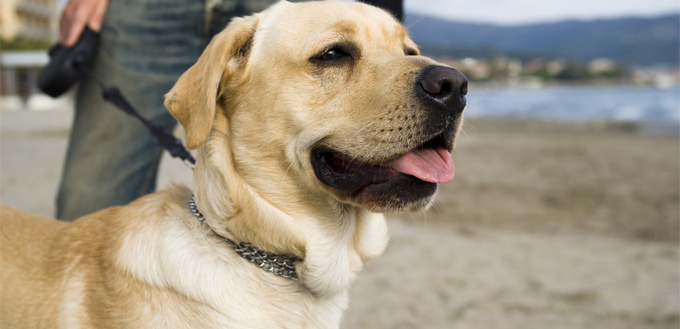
19	72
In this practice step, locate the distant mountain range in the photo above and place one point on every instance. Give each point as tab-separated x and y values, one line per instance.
636	41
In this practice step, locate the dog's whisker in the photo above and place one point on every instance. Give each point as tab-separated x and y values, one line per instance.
466	135
412	23
437	208
367	144
377	146
467	126
360	130
285	175
356	133
422	9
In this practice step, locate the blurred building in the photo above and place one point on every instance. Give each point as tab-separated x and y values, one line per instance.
28	19
24	24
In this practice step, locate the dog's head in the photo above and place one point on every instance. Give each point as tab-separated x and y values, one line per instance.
323	101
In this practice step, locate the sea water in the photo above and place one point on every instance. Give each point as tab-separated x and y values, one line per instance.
647	105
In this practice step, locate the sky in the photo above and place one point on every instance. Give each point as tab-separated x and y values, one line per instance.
516	12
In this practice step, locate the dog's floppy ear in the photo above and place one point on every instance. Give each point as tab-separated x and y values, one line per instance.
193	99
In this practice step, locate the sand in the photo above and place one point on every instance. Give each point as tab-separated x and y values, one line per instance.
546	225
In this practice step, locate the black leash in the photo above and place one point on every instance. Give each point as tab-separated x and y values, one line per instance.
67	66
162	137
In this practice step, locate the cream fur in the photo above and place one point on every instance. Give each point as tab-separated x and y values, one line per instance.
254	106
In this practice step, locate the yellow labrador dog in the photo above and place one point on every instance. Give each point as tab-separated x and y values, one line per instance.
310	120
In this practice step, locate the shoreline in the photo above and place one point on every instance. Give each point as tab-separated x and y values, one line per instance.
640	127
654	110
532	84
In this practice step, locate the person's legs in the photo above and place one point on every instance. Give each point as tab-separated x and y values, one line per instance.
144	47
112	159
222	11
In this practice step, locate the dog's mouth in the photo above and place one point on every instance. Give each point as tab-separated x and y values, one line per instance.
429	163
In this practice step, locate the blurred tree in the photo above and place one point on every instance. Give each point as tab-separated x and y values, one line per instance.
24	44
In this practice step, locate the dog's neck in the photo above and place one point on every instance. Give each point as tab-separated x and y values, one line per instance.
333	241
279	265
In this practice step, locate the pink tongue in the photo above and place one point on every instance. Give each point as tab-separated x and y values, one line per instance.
430	165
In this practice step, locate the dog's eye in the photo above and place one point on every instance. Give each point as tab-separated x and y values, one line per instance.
410	52
338	54
333	54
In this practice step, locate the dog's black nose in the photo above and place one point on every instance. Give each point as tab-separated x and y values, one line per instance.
445	86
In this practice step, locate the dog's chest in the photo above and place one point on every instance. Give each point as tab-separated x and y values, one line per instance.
238	309
188	283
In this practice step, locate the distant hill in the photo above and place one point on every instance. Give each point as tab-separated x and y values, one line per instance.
641	41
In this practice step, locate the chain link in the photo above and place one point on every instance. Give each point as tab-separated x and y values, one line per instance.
278	265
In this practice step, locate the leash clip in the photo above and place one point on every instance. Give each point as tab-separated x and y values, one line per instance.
189	163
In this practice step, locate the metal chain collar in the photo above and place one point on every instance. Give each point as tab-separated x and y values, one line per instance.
278	265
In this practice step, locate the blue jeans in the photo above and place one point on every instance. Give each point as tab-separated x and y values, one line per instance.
145	45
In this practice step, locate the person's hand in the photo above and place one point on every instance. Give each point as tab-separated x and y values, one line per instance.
76	15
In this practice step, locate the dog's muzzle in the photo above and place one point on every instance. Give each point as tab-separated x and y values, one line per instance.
410	174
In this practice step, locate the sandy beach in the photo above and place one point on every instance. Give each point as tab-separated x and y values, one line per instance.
546	225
